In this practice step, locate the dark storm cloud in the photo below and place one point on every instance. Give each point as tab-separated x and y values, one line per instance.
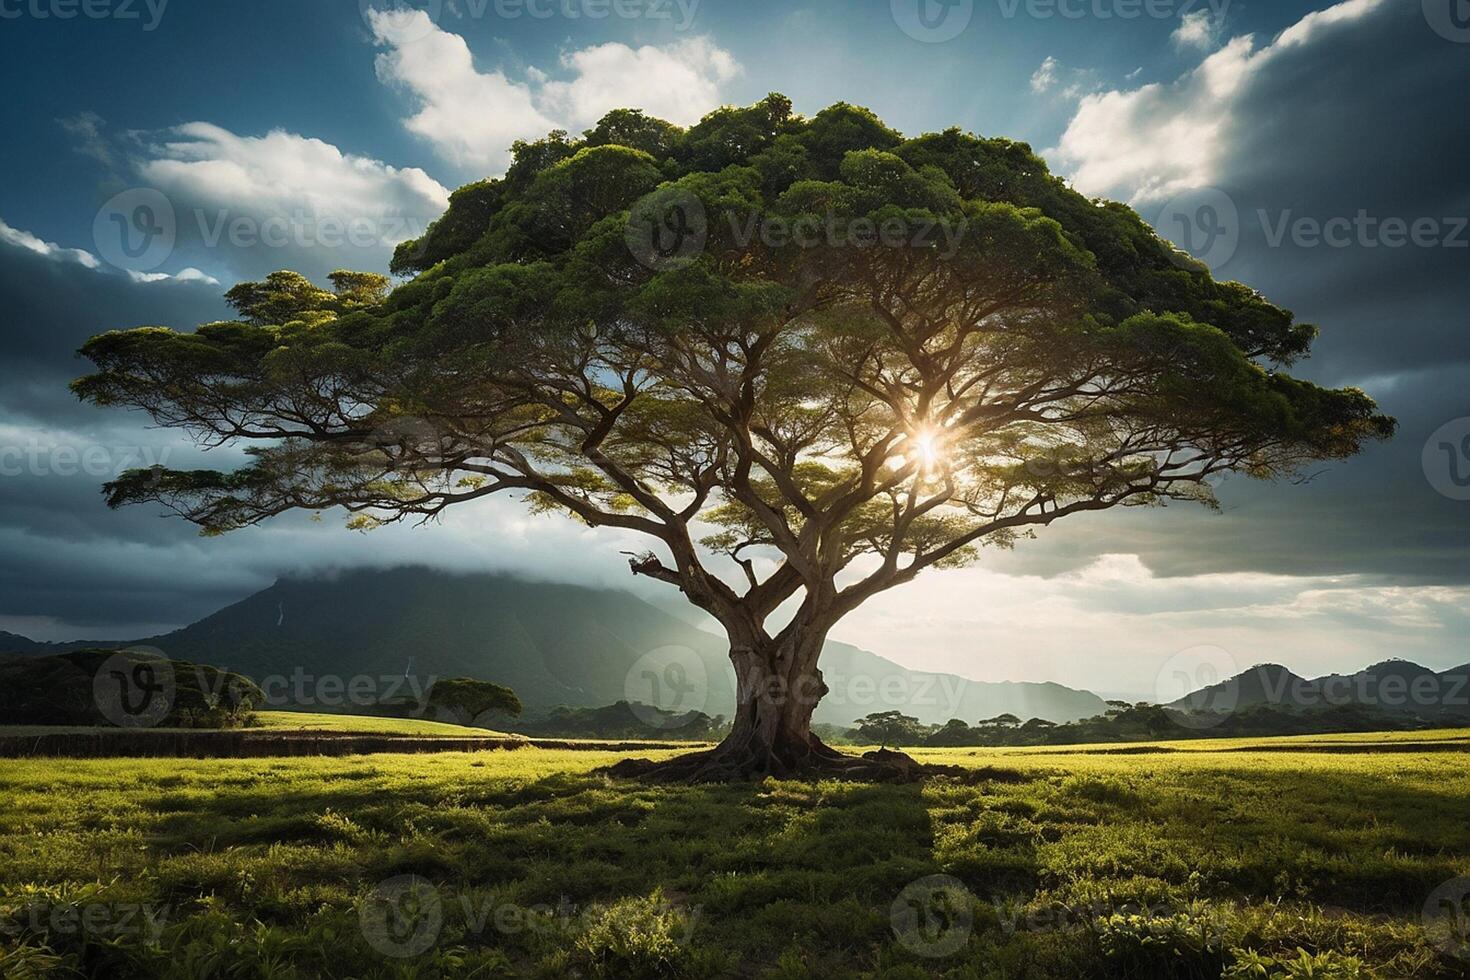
1367	125
1365	118
55	453
53	302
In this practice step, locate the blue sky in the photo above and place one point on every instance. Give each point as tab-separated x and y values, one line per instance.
1290	115
308	68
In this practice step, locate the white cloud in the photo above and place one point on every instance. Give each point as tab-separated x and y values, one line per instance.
84	258
1069	83
680	82
1111	625
1197	29
1045	76
282	170
188	274
471	117
1154	141
50	250
260	203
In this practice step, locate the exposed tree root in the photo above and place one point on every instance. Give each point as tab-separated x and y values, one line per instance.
816	760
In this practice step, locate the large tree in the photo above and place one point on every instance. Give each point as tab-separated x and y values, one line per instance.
806	359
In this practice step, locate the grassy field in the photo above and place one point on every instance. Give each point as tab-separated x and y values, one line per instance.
1067	864
1430	739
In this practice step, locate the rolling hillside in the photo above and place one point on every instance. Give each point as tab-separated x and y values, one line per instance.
554	644
1393	686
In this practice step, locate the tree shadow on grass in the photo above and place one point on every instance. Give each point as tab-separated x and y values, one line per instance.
760	870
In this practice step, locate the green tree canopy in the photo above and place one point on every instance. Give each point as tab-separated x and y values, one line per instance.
466	698
884	728
807	359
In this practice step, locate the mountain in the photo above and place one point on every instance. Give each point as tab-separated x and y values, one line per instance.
306	640
1394	686
1261	684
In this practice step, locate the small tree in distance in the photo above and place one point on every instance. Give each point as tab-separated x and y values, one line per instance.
466	699
885	728
805	359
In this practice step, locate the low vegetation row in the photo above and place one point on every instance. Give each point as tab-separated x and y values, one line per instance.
1123	722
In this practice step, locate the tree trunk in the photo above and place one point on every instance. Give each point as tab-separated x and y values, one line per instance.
776	691
777	687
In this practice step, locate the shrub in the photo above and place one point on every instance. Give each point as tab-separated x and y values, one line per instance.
635	937
1327	965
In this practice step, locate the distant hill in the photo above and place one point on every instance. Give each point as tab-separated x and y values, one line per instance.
1399	687
1261	684
13	643
553	644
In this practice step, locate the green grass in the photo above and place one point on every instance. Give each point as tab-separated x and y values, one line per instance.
538	867
1440	738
